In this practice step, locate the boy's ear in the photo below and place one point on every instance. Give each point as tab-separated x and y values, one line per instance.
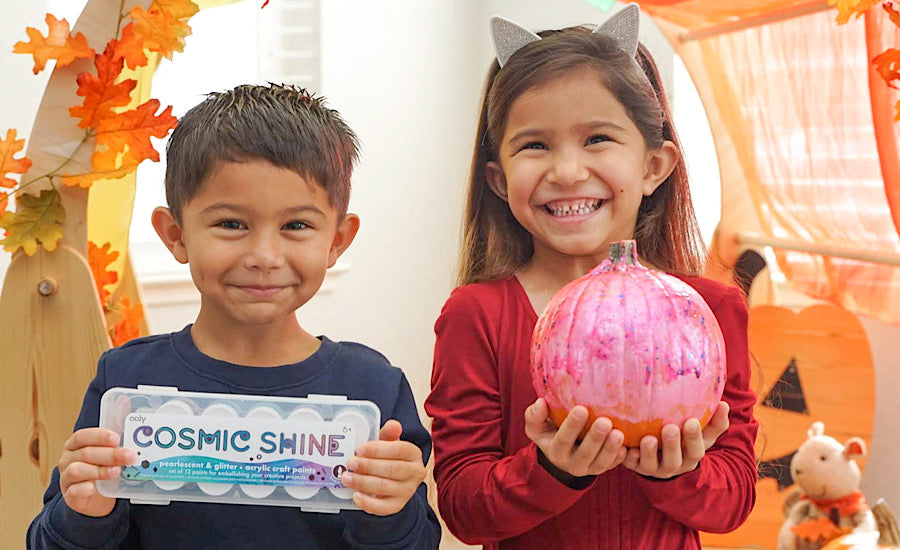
343	236
493	173
170	233
660	164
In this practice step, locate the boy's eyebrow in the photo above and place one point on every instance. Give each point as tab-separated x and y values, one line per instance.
238	208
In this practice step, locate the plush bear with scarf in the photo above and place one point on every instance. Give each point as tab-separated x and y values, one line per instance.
829	503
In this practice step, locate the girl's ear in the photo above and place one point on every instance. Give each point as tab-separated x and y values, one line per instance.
343	236
493	172
170	233
660	164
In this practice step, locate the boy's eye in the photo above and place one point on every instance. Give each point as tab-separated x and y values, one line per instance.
598	138
295	226
230	224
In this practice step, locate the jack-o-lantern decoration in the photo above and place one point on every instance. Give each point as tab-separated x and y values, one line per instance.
811	365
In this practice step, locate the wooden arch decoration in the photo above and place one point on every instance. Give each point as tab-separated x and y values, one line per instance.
53	327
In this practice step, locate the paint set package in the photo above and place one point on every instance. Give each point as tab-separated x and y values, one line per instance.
237	449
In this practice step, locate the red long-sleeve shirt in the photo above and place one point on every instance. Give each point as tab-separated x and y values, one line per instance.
491	489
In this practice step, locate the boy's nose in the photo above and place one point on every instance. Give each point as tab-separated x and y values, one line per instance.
264	253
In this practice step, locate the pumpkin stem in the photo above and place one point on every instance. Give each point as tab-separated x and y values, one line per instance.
623	252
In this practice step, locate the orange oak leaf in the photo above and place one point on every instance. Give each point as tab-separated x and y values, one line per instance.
58	45
130	48
887	63
897	109
129	327
115	170
101	92
850	8
893	13
132	130
9	147
180	9
99	258
818	529
37	219
159	30
4	201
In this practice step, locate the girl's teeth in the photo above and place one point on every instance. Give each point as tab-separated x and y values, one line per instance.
574	209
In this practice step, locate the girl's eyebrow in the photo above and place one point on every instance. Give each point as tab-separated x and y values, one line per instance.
527	133
532	133
601	124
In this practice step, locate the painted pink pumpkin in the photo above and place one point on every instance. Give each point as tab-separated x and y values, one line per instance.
637	346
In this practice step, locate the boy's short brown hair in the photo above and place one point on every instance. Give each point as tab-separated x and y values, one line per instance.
285	125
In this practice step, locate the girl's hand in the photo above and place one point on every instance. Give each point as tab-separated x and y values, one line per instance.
91	454
681	451
601	449
386	473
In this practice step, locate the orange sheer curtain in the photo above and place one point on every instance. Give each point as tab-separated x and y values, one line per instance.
792	115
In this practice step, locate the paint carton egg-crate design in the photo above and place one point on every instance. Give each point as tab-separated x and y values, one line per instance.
237	449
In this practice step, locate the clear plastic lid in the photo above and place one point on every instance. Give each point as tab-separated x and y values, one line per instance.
238	449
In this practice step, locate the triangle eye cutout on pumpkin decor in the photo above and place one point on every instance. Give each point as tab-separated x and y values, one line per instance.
778	469
787	393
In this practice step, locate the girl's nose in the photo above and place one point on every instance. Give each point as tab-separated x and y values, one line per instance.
568	169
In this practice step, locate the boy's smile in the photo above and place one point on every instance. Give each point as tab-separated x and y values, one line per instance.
258	239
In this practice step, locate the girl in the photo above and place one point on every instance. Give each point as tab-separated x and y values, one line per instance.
575	150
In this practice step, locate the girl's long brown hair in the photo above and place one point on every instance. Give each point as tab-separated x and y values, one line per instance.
494	244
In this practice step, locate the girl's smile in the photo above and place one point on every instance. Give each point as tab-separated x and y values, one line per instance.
574	167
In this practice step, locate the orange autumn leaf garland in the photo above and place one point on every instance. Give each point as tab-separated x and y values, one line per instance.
121	138
887	63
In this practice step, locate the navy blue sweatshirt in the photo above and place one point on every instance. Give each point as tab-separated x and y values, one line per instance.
337	368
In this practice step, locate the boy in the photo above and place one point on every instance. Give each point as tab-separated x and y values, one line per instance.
257	182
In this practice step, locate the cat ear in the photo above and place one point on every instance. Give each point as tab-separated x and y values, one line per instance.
508	37
623	26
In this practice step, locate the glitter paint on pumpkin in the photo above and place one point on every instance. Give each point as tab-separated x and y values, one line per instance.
634	345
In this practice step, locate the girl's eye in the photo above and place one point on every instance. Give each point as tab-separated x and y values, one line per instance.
295	226
598	138
534	145
230	224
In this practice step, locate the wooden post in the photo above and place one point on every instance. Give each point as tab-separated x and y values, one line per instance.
52	327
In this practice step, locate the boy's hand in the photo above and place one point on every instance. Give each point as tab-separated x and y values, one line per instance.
601	449
91	454
681	451
386	473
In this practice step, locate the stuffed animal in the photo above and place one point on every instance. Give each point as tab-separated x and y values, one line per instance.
829	503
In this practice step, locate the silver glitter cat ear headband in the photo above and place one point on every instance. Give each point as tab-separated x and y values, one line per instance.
508	37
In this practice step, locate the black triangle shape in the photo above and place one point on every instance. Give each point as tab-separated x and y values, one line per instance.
787	393
778	469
